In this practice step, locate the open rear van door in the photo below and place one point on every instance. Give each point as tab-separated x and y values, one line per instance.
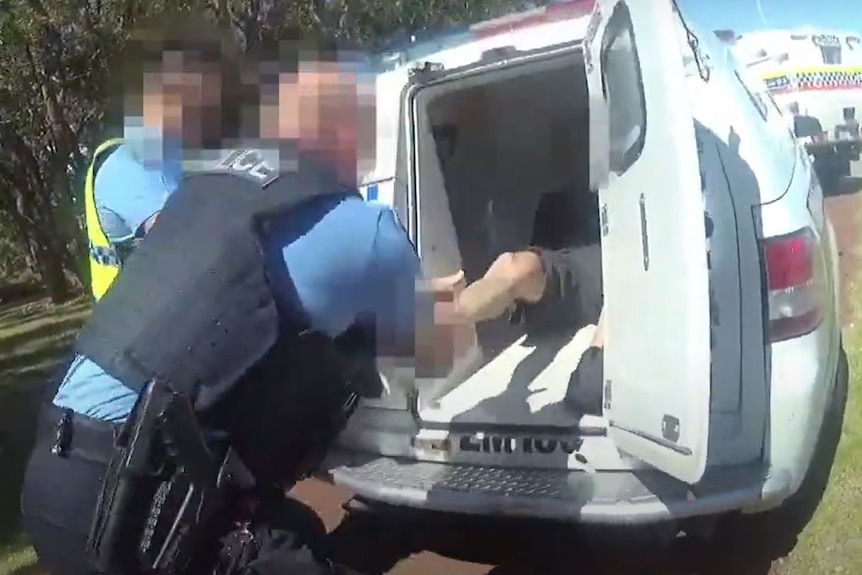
646	167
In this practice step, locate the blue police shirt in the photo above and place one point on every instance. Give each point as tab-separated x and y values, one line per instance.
128	193
347	258
131	185
135	180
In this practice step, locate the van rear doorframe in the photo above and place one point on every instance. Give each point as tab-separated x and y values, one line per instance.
494	60
431	76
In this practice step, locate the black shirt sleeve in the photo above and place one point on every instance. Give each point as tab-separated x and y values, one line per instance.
573	292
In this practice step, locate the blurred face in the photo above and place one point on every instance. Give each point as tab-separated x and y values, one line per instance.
328	108
184	99
366	123
200	104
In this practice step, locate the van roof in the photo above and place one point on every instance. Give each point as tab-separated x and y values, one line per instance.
521	26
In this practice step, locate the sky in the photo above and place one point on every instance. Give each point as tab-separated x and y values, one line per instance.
743	15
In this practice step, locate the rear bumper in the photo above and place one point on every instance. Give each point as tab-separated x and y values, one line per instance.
619	498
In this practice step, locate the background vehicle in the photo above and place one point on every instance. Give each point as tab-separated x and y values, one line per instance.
725	379
816	75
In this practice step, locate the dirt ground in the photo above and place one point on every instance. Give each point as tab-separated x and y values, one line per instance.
458	546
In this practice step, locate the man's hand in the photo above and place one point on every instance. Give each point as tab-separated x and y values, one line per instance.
599	334
454	283
513	277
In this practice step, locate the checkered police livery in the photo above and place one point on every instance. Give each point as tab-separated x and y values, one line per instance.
822	79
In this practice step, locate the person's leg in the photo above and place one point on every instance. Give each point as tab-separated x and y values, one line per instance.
59	550
60	492
288	513
287	537
57	503
584	394
356	541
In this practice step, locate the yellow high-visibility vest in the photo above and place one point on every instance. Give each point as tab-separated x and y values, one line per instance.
104	259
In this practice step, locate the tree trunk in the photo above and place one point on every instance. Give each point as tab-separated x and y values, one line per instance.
70	241
52	271
47	249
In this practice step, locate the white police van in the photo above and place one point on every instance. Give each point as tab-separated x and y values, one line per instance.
725	380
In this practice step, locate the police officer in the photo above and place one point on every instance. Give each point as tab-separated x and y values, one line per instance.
174	76
260	298
173	85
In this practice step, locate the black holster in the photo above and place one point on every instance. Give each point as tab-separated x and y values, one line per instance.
165	489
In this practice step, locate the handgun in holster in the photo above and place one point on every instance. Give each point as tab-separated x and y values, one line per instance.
164	489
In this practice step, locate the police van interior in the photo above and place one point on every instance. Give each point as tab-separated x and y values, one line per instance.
502	163
486	144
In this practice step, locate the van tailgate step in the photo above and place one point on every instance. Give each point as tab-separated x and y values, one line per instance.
606	497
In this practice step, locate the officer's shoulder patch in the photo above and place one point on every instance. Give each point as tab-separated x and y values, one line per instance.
245	163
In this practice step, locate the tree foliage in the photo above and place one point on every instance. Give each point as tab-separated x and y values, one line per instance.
55	78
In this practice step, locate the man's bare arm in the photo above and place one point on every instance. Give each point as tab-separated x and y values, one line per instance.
599	334
149	223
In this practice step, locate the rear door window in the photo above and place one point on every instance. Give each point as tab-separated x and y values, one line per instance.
623	88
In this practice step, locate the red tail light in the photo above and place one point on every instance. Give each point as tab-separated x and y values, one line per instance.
794	278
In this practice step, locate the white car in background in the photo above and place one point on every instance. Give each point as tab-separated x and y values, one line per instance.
725	379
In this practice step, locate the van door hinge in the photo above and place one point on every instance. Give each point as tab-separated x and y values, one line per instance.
425	70
644	233
701	60
607	395
604	219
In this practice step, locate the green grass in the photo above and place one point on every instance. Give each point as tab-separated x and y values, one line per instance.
33	338
19	558
832	542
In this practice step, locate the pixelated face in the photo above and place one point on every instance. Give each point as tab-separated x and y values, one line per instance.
327	103
203	107
366	124
190	94
201	104
330	104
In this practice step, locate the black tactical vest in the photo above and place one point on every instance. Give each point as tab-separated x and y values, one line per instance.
193	306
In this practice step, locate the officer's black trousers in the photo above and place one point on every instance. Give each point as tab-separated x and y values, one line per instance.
60	490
